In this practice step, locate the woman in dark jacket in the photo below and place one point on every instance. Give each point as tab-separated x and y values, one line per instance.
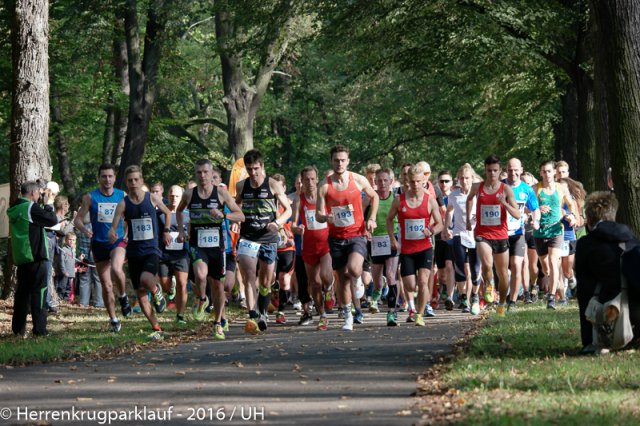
598	260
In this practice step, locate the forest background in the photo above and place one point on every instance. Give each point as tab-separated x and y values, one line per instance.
164	82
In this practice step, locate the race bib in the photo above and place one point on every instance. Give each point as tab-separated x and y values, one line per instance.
565	249
142	229
106	211
312	223
467	240
381	245
174	244
343	216
514	224
209	238
248	248
414	229
490	215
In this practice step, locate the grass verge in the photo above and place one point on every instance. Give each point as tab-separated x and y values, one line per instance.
81	333
526	369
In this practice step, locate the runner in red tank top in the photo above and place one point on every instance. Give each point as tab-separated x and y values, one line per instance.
315	244
492	242
419	218
340	205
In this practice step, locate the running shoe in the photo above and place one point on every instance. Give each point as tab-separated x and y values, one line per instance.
243	304
488	293
225	324
262	323
419	320
434	303
172	291
358	318
572	283
391	320
280	318
218	332
563	302
159	302
428	311
199	309
511	306
180	320
251	327
305	319
534	293
116	326
464	303
348	322
156	336
551	304
373	308
448	304
126	307
500	311
475	305
329	302
323	324
412	316
527	298
340	314
297	305
209	309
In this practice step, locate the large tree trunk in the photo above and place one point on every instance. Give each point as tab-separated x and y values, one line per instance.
619	24
566	130
29	153
61	145
586	152
109	129
143	75
121	69
601	117
242	98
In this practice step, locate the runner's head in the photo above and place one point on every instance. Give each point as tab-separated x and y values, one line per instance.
600	205
426	169
415	178
562	170
465	176
106	176
157	189
404	174
254	164
174	195
133	177
445	181
383	181
548	171
216	176
280	178
514	171
529	179
309	179
370	173
492	168
339	159
204	173
298	183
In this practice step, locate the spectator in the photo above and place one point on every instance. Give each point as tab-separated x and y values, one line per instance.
598	261
66	267
28	216
87	278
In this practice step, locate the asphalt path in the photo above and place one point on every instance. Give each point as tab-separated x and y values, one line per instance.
290	375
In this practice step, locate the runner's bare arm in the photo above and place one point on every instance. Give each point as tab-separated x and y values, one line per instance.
446	232
434	211
78	220
278	191
157	201
572	217
235	214
295	216
472	193
239	187
393	212
184	202
321	215
365	186
509	201
117	215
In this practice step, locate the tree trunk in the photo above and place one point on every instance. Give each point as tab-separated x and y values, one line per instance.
566	131
601	118
619	24
29	154
109	129
241	99
121	69
586	143
143	75
61	144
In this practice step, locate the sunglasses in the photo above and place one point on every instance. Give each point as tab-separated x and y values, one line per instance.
445	180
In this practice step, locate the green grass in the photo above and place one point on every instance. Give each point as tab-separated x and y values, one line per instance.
526	369
81	333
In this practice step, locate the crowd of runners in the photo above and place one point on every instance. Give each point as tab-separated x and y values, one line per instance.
340	240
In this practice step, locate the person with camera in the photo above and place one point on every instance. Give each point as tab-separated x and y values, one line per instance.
28	216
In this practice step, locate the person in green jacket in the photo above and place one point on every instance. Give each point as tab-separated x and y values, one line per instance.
28	216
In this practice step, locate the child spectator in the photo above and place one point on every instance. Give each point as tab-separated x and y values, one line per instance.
66	267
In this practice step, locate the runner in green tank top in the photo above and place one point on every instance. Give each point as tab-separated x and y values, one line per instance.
549	237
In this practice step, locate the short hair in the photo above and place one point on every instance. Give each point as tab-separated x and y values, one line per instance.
280	178
444	172
106	166
175	187
601	205
28	187
338	148
547	163
203	162
70	234
416	171
464	168
216	170
307	169
132	169
423	166
157	184
492	159
372	168
59	201
386	170
562	163
253	156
